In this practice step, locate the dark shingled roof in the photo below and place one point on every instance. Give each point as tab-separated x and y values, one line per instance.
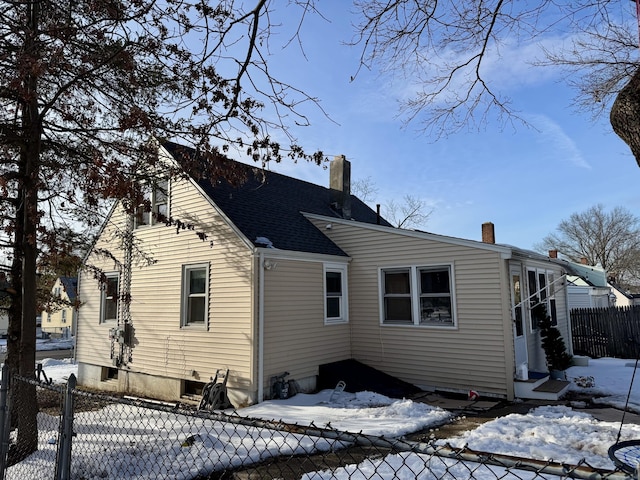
70	285
270	205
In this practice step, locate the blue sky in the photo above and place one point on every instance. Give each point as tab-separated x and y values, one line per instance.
524	180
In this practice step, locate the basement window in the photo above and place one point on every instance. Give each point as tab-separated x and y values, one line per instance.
192	389
109	373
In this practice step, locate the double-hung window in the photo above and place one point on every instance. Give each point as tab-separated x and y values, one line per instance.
195	294
397	296
155	205
109	298
435	296
417	295
335	293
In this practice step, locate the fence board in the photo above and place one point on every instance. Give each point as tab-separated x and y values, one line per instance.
606	332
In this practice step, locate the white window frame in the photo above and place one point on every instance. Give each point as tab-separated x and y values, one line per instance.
151	191
343	297
186	295
103	297
549	294
415	295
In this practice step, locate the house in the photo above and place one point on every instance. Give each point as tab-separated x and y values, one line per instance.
60	321
280	275
587	285
623	297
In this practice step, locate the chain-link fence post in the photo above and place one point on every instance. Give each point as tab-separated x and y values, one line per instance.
5	422
63	464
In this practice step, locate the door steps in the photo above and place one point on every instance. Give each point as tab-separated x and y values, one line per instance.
540	387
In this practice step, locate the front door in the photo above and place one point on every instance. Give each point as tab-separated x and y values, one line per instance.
517	318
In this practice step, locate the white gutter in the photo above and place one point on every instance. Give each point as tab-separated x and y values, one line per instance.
260	327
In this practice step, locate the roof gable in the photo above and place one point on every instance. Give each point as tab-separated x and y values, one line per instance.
70	285
267	208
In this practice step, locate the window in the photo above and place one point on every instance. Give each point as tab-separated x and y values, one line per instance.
154	208
435	296
541	290
516	300
109	303
335	292
397	296
64	316
195	287
429	303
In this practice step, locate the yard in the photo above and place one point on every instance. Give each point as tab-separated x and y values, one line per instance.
563	433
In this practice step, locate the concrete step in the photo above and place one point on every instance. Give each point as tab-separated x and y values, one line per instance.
542	388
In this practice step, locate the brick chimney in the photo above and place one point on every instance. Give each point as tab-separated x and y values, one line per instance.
340	185
488	233
553	253
583	260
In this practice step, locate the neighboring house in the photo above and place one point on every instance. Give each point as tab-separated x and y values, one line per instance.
587	285
623	297
61	320
283	275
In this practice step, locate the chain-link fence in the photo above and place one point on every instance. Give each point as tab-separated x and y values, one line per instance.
83	435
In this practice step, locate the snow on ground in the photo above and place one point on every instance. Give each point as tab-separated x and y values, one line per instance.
557	433
43	344
366	412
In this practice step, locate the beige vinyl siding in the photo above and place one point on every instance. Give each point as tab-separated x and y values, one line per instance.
52	322
162	346
477	353
296	338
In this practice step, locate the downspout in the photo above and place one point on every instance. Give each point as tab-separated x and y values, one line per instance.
569	323
77	314
260	327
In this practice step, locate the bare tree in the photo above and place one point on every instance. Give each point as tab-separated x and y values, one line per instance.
609	239
410	213
365	189
85	87
450	50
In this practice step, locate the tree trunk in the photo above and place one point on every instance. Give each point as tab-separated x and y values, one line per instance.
25	400
625	115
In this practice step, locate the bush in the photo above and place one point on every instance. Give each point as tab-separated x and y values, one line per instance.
552	342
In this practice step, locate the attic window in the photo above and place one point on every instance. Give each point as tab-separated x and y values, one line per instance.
155	206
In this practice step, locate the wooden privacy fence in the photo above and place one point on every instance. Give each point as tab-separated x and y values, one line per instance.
606	332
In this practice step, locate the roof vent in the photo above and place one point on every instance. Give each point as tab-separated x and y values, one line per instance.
263	242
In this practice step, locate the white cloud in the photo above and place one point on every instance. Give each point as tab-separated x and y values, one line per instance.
554	136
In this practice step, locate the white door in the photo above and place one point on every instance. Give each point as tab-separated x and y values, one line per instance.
517	318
